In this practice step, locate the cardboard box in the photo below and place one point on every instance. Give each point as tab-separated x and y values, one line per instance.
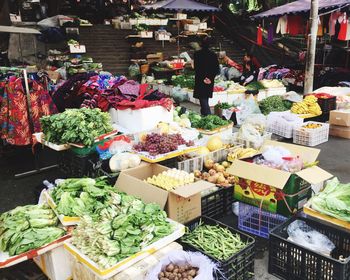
340	117
55	264
181	205
339	131
279	191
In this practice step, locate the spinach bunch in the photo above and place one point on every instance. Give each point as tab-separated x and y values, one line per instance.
210	122
79	126
273	103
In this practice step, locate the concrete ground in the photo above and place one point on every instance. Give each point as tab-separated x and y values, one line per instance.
334	157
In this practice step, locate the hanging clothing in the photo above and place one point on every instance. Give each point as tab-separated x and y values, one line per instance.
282	25
270	34
347	38
295	25
15	122
332	21
320	27
259	37
336	29
343	30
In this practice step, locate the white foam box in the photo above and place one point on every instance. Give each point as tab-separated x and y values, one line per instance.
125	25
146	34
114	115
191	27
143	119
162	37
136	272
203	25
179	231
181	16
55	264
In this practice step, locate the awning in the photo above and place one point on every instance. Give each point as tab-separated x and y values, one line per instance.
302	6
182	5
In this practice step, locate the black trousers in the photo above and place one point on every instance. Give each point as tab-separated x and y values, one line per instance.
205	109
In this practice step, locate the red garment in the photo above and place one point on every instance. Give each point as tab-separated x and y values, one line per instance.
259	36
295	25
139	104
14	120
343	30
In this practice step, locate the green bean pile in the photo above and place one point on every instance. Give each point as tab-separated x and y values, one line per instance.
216	241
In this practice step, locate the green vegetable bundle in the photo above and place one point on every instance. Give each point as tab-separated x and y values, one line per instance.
210	122
223	105
215	241
77	197
123	228
334	200
273	103
254	86
79	126
184	81
28	227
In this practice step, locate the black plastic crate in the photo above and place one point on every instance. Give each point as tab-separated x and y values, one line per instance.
213	204
218	203
99	168
290	261
327	104
229	200
74	165
321	118
241	265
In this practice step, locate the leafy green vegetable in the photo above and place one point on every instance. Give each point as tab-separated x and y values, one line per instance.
28	227
210	122
254	86
123	227
273	103
184	81
80	126
334	200
81	196
223	105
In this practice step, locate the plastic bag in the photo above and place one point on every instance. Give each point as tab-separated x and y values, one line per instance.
179	95
195	259
302	234
249	133
293	96
258	121
50	22
247	107
134	70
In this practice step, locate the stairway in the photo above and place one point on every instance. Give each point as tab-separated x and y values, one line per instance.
110	46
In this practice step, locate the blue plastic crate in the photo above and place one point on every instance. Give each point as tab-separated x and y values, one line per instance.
256	221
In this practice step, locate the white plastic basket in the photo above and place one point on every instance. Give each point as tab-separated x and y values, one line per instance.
311	136
281	126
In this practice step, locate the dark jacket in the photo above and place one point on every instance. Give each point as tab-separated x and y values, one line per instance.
206	65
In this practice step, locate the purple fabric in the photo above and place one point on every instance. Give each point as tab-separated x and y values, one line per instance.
270	34
301	6
130	88
181	5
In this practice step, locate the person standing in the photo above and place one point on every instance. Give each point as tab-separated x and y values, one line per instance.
206	67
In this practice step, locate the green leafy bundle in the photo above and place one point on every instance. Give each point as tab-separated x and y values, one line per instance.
273	103
79	126
334	200
184	81
77	197
28	227
122	229
223	105
210	122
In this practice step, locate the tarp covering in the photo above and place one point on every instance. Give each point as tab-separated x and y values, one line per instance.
181	5
302	6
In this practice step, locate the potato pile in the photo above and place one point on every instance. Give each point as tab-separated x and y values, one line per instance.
216	173
178	272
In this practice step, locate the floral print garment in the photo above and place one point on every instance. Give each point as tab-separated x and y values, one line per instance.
15	124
